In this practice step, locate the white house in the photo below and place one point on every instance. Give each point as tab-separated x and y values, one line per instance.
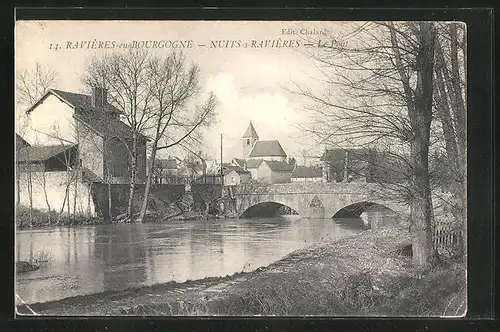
274	172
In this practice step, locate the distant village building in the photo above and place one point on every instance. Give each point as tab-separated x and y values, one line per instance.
361	164
165	171
77	134
233	175
307	174
265	160
274	172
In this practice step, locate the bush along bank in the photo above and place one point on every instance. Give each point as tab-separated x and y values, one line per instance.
43	218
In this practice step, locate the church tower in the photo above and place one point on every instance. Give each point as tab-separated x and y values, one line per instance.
248	140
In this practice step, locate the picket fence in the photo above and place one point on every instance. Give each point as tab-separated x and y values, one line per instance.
446	236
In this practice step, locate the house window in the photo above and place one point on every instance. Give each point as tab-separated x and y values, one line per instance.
248	141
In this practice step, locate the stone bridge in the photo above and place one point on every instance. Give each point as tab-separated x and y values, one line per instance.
316	200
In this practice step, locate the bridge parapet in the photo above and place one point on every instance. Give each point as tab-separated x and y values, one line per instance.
306	187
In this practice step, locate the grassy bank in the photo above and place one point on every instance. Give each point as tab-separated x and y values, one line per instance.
43	218
369	274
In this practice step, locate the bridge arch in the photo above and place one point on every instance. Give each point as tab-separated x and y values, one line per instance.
267	209
371	213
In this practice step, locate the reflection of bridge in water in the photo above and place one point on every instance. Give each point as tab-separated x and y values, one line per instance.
317	200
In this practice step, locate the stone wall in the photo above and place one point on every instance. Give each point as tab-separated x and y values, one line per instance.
51	187
161	196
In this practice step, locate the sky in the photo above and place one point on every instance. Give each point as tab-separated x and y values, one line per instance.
251	83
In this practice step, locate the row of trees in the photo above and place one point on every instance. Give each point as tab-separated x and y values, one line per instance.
400	87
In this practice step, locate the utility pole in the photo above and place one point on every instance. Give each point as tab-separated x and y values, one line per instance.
221	168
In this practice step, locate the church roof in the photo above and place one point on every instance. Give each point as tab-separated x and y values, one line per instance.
250	132
267	149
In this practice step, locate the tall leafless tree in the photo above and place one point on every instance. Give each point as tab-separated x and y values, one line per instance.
126	77
379	92
174	87
31	84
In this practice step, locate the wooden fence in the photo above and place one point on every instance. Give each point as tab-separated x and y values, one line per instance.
446	236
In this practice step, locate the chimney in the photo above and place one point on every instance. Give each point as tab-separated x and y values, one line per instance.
98	97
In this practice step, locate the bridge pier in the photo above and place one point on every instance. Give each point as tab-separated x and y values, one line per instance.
314	212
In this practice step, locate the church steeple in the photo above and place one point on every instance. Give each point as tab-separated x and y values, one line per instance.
249	138
250	132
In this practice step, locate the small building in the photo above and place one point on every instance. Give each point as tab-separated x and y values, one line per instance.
307	174
244	175
274	172
252	165
49	158
233	176
165	171
50	178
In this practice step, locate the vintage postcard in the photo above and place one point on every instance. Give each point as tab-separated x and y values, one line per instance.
240	168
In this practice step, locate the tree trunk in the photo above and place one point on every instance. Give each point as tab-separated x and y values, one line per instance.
75	172
110	204
458	101
30	196
148	183
44	183
461	131
420	118
133	175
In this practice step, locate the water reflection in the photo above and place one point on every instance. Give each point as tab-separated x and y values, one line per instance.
95	259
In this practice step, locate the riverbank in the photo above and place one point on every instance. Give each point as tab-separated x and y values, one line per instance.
42	219
365	275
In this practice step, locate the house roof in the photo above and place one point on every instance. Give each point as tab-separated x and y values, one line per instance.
239	162
339	154
237	169
250	132
254	163
267	149
307	172
279	166
77	100
107	126
20	142
41	153
104	125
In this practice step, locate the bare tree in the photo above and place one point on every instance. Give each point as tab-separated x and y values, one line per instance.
379	93
173	86
126	78
31	84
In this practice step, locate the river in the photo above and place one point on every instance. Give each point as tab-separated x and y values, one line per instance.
93	259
